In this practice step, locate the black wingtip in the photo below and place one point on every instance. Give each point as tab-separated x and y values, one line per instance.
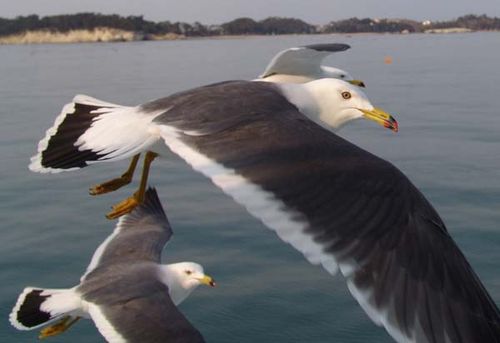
151	192
151	204
333	47
151	198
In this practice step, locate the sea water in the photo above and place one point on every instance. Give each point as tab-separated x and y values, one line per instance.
443	89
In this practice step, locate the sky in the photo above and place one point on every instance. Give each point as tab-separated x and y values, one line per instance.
219	11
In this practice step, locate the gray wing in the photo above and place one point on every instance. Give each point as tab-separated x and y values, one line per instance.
337	204
304	60
138	236
145	314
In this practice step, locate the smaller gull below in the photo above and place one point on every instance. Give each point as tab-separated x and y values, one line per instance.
128	294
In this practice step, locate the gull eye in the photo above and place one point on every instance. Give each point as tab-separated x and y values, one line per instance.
346	95
188	272
342	76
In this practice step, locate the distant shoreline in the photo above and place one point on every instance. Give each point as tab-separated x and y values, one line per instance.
96	27
97	35
432	32
110	35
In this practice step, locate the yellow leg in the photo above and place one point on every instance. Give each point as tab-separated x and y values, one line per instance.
59	327
137	198
114	184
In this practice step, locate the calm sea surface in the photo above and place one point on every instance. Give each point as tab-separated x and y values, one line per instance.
443	89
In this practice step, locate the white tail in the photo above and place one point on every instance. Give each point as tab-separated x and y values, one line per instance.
36	307
89	130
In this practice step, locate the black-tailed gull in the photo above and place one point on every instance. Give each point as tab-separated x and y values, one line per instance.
303	64
128	294
90	131
271	148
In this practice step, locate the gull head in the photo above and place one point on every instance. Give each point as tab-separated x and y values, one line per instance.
337	73
191	275
182	278
333	103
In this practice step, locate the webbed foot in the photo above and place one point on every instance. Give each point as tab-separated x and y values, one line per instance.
59	327
124	207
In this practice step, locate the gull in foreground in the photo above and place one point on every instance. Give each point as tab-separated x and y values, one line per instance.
303	64
271	147
128	294
90	131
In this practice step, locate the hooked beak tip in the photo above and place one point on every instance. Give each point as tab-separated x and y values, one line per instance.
382	118
358	83
392	125
208	281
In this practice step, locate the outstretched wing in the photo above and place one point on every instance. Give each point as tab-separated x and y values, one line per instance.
139	235
149	318
304	60
339	205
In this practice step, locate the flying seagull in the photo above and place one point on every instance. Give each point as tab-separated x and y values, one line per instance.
303	64
270	146
128	294
91	131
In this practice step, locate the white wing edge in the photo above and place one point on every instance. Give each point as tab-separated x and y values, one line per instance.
101	248
104	326
273	213
261	204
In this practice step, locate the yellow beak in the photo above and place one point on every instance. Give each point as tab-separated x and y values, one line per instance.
207	280
358	83
381	117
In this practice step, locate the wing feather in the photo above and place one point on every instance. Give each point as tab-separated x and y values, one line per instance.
149	318
337	204
304	60
138	236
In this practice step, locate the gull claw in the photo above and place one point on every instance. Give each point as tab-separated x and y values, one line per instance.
123	207
108	186
58	327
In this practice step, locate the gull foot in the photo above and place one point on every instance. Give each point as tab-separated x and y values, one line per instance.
114	184
58	328
123	207
109	186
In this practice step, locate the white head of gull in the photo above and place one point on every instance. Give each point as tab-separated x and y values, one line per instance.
182	278
332	103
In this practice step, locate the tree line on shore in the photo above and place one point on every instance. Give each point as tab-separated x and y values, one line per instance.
239	26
